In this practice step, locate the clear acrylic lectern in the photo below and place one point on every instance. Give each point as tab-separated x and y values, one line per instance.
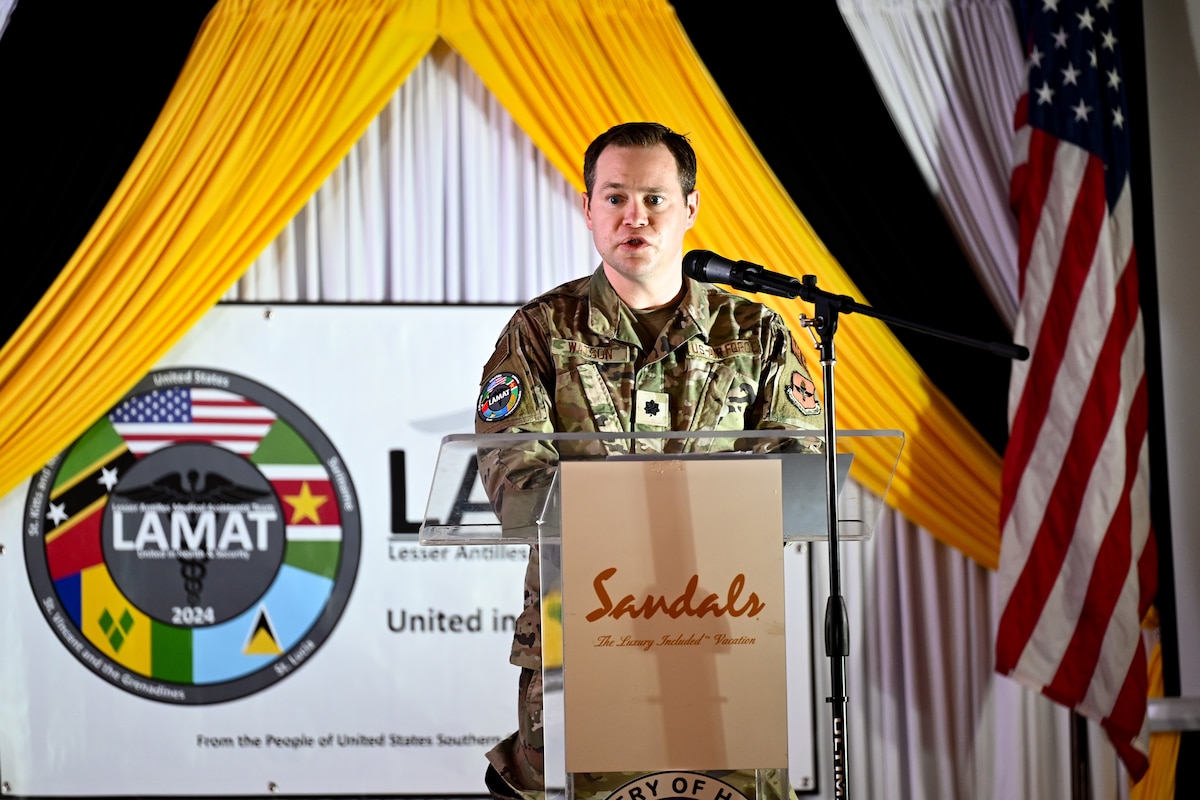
662	587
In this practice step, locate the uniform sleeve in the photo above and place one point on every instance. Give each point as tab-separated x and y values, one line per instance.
514	398
787	394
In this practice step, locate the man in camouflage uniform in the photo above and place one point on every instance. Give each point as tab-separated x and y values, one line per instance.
636	346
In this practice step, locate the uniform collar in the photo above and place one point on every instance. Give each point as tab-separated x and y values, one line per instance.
605	318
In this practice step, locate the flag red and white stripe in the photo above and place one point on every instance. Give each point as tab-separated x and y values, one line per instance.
197	415
1077	560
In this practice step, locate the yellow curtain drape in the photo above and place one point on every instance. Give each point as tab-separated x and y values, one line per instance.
276	91
1159	780
271	98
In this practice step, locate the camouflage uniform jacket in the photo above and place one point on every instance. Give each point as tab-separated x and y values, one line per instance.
571	360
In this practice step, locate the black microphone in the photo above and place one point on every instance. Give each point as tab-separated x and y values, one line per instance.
707	266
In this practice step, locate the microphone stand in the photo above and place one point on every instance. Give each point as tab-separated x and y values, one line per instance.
827	307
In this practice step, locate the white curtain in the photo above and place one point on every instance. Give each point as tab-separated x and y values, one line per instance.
443	200
950	72
446	201
928	715
6	9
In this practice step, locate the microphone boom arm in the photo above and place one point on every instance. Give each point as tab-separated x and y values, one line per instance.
826	302
705	265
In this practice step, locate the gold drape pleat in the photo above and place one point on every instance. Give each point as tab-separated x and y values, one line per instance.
1159	780
270	100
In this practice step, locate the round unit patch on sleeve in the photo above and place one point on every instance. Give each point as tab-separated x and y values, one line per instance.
500	397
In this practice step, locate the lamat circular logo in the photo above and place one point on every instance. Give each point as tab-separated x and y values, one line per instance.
198	543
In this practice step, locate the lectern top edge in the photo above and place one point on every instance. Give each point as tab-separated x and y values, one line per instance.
459	512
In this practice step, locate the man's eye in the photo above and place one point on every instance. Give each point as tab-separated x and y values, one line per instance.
612	200
654	200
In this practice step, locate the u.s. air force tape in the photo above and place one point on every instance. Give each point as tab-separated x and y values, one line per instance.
499	397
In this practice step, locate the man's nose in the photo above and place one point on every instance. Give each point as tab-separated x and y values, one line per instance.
635	214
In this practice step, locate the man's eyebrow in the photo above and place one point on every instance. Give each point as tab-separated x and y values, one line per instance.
624	187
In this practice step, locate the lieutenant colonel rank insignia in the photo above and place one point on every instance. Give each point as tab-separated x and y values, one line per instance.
653	409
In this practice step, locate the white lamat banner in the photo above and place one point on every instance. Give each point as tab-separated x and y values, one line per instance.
216	590
188	633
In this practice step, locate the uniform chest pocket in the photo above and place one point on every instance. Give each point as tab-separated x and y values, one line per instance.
584	400
726	394
585	377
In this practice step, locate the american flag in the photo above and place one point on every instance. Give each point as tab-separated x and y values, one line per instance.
161	417
1077	559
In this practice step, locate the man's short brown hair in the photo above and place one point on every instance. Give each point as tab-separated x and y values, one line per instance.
643	134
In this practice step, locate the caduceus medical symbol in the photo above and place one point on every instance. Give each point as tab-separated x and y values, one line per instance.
194	498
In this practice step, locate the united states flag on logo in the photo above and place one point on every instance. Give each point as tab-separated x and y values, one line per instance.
163	417
1077	560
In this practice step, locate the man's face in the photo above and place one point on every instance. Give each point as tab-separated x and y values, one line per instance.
638	214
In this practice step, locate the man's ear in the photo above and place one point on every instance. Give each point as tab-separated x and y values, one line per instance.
587	209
